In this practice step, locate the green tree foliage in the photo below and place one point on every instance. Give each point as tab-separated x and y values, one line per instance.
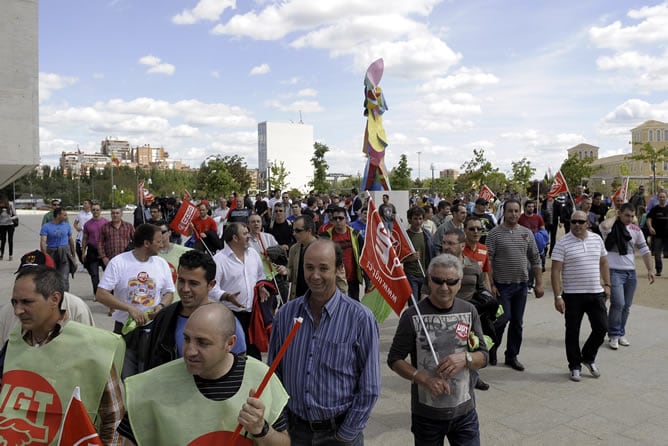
575	170
279	175
649	154
521	174
400	176
446	186
320	167
478	170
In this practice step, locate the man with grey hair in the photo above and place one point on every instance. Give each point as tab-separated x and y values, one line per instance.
442	401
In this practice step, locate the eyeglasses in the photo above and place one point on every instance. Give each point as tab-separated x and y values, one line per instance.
578	222
474	229
165	231
96	210
448	282
298	230
338	218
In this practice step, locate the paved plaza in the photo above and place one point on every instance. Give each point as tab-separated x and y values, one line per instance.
627	405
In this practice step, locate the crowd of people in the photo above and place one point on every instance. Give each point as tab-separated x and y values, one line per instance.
192	312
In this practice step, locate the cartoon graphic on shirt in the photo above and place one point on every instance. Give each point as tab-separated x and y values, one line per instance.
142	291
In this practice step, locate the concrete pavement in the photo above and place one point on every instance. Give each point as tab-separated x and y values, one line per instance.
539	406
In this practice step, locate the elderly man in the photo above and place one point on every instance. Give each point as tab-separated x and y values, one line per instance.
57	241
331	370
202	398
442	400
512	249
579	264
238	271
47	358
622	237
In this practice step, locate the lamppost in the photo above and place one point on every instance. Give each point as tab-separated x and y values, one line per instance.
122	202
419	153
432	178
113	195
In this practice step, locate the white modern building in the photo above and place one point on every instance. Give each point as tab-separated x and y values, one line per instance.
19	113
287	142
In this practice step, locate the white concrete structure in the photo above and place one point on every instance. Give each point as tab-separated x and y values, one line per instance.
290	143
19	113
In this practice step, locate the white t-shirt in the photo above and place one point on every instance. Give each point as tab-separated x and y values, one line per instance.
82	218
233	276
141	284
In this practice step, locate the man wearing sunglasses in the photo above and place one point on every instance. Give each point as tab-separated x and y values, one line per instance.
512	248
351	243
443	404
474	249
579	266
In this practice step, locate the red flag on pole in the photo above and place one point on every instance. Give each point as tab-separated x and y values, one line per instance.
184	217
559	186
380	262
400	242
621	191
77	427
486	193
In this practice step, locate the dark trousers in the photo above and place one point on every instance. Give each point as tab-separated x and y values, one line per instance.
354	289
7	234
659	248
577	305
553	236
463	430
302	433
93	263
244	318
513	299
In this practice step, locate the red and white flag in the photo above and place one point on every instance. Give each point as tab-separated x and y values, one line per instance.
401	242
380	262
486	193
559	186
621	191
184	217
78	429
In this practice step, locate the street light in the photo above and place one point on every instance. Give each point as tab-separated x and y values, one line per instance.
419	153
432	178
113	195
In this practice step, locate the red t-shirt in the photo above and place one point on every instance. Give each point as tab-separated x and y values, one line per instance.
479	255
346	245
533	222
208	224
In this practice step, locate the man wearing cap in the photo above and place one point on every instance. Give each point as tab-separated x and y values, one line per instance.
55	239
55	203
75	308
486	219
48	357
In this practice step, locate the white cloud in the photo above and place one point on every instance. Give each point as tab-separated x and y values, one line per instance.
464	78
215	74
652	29
296	106
260	69
157	66
308	92
631	113
205	10
50	82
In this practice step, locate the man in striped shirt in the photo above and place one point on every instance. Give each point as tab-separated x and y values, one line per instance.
579	263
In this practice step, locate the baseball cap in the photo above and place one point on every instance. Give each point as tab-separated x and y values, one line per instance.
36	258
55	201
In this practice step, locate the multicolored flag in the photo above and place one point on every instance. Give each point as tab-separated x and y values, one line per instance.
77	427
380	262
559	186
486	193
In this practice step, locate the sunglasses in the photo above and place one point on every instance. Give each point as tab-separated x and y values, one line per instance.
338	218
298	230
578	222
474	229
165	231
448	282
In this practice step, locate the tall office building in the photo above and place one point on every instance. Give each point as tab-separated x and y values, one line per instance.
287	142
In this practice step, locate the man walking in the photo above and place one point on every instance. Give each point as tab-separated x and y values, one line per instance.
55	239
416	264
83	216
90	245
115	236
622	237
511	249
457	222
351	243
657	225
579	265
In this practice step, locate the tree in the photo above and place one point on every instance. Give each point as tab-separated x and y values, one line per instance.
400	176
575	170
521	174
278	175
648	153
320	168
478	170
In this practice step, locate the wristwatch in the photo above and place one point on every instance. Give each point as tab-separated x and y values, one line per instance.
469	359
264	431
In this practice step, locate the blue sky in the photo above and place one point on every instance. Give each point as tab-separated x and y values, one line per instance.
516	78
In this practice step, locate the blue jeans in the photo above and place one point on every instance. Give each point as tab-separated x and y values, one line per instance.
622	287
301	435
513	299
416	285
463	430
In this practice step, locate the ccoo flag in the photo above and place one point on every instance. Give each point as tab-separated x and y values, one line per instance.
486	193
380	262
184	217
77	427
559	186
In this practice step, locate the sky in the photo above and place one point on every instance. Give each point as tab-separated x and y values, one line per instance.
519	79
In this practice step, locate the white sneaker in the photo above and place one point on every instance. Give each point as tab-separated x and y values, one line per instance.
623	341
614	343
593	369
575	375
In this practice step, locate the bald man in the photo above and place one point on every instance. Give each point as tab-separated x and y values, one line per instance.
205	395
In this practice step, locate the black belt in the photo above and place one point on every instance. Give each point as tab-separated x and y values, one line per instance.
330	424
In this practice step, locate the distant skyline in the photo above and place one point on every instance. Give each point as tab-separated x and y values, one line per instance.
515	78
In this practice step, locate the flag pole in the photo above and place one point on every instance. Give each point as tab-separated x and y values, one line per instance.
424	327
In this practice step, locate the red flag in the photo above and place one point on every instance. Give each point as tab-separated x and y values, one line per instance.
77	427
486	193
558	186
380	262
400	242
621	191
184	217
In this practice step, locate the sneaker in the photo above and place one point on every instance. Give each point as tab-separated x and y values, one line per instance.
613	343
575	375
658	274
623	341
593	369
